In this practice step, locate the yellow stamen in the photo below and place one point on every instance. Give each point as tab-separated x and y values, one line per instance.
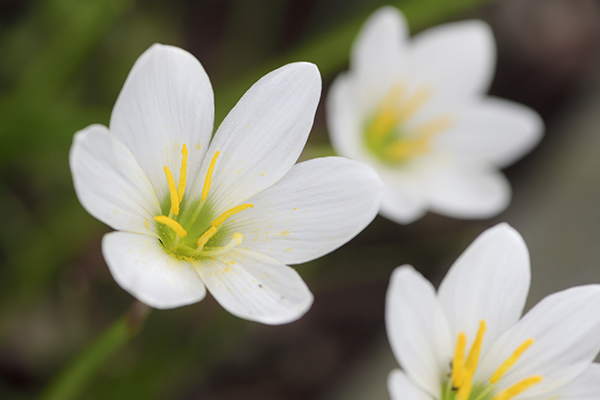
518	388
214	251
206	237
209	174
473	358
413	104
458	362
182	172
171	223
229	213
510	361
387	116
173	190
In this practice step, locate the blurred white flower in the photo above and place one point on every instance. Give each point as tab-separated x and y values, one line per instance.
229	213
416	111
467	342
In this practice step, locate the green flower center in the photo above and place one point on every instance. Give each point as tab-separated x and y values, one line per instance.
385	133
192	229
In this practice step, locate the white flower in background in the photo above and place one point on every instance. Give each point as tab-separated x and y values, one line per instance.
467	342
416	111
226	214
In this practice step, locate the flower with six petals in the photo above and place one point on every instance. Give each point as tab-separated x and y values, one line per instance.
225	214
416	111
468	342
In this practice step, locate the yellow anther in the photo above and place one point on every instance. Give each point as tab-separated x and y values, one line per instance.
473	359
503	369
182	172
414	103
458	362
209	174
171	223
206	237
173	190
229	213
518	388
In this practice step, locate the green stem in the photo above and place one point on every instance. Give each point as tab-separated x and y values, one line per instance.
70	382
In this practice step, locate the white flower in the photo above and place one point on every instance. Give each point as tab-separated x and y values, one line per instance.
229	213
416	111
468	342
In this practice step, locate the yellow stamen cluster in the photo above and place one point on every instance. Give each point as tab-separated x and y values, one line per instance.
464	370
176	193
381	134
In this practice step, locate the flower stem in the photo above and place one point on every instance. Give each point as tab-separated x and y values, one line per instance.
73	378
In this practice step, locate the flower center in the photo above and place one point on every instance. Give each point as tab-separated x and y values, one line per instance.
386	135
190	230
460	386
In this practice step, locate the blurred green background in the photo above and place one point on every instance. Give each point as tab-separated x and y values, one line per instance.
62	64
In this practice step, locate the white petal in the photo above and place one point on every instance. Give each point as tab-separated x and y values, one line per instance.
141	266
379	55
468	192
401	388
109	182
585	387
166	102
564	327
488	282
256	287
314	209
344	119
404	194
455	60
495	131
264	134
417	329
